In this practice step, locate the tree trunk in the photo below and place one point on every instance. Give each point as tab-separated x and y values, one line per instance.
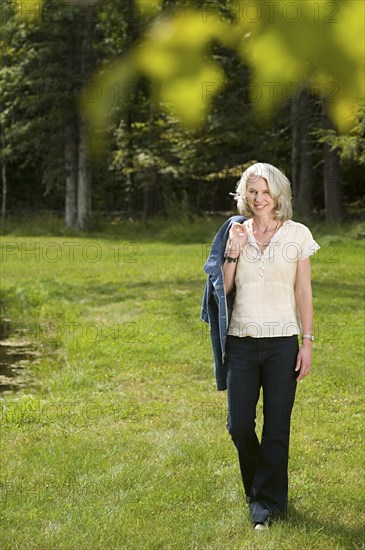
84	166
151	201
295	149
130	177
129	192
71	173
71	131
306	173
83	178
151	185
133	22
4	182
302	169
331	177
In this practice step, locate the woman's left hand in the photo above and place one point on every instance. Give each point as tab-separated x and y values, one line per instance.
304	360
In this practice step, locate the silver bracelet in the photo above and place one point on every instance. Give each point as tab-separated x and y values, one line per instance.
309	336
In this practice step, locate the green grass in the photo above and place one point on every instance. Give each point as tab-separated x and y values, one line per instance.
120	440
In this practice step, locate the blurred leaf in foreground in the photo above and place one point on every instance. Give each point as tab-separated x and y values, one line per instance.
320	47
149	7
320	44
28	10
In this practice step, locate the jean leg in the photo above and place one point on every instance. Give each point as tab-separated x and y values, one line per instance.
270	484
243	388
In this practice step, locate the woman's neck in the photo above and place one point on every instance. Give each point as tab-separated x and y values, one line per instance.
265	225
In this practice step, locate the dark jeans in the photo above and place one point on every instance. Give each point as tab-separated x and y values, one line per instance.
270	363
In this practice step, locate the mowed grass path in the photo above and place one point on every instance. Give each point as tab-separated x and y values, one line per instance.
120	442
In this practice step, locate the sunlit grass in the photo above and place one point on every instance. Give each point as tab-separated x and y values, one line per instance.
121	441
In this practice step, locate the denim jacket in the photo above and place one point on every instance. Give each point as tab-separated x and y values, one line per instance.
216	306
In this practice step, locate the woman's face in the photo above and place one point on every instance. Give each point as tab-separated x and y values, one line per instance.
259	198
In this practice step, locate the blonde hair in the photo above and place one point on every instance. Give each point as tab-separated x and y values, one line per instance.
279	188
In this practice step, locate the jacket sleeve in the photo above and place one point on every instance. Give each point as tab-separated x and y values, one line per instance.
220	369
204	315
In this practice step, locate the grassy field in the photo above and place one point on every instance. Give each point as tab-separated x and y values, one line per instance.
119	440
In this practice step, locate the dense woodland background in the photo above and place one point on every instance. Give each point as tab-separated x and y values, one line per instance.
152	165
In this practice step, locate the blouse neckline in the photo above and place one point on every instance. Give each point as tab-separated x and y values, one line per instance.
274	239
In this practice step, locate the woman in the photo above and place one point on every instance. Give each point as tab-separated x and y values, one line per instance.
266	271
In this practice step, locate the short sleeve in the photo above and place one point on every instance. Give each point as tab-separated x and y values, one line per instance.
308	246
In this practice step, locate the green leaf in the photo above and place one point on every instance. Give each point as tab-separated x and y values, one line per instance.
28	10
149	7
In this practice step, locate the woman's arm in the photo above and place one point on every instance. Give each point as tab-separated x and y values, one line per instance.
303	297
229	273
236	239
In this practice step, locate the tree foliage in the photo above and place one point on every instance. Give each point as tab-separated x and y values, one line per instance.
182	95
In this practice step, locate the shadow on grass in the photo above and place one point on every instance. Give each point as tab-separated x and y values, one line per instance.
349	294
191	231
346	537
195	229
109	293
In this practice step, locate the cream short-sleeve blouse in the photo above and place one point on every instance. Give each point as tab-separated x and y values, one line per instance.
264	304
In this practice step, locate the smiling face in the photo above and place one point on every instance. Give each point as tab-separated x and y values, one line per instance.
258	197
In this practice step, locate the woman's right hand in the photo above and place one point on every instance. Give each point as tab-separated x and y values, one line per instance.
237	238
